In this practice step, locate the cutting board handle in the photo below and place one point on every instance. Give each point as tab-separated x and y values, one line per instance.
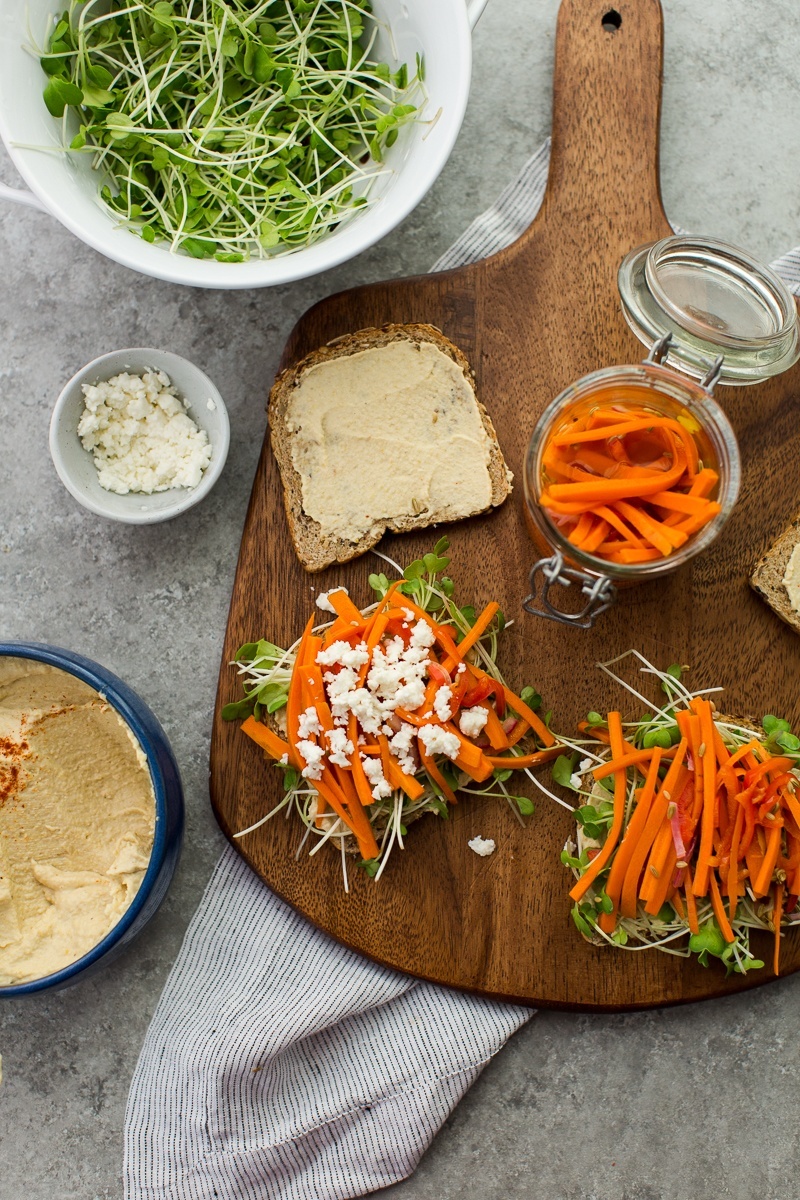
606	111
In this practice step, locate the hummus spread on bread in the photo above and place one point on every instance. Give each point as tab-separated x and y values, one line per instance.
77	816
388	433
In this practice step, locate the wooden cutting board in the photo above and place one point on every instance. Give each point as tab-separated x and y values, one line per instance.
531	319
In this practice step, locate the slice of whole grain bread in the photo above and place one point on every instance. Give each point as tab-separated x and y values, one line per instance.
315	549
767	576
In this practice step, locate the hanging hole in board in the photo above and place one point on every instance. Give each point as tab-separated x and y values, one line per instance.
611	21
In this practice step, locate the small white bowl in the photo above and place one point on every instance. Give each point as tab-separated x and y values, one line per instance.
75	466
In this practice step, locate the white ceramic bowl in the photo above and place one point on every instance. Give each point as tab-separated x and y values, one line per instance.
76	468
65	185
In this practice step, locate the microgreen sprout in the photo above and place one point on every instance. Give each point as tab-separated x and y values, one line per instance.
229	129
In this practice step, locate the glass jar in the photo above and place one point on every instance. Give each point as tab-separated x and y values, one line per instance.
713	315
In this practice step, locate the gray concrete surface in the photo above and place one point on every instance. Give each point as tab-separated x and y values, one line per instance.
688	1104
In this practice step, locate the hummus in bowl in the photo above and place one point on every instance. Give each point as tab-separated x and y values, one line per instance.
90	816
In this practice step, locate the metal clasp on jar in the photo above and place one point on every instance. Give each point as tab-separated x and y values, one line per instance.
658	354
598	589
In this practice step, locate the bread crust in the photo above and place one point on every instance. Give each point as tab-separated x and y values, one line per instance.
767	575
315	549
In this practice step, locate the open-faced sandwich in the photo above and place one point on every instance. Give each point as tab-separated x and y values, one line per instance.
688	834
379	715
381	429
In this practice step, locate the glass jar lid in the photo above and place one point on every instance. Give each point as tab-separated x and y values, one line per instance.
714	299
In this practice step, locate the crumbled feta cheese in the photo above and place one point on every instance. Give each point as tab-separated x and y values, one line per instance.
210	405
312	755
460	669
342	654
575	778
439	741
422	636
410	695
324	603
284	760
393	650
373	770
401	746
368	710
140	435
482	846
409	615
442	703
472	721
340	747
308	723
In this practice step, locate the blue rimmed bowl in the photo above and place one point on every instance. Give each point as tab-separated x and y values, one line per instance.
168	792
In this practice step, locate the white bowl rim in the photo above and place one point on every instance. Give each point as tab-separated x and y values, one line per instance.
189	497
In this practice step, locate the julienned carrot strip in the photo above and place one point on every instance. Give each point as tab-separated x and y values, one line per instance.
615	520
386	754
777	913
663	537
607	491
269	741
342	631
663	884
436	775
406	783
498	738
536	723
703	709
482	623
655	819
655	863
719	909
627	760
596	537
761	883
704	482
634	556
572	436
691	903
682	502
518	732
616	875
677	904
599	862
525	760
293	700
581	530
356	820
733	871
344	607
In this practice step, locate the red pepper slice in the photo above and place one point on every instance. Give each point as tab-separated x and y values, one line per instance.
482	691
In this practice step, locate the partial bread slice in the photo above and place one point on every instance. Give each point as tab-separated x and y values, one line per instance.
767	576
316	549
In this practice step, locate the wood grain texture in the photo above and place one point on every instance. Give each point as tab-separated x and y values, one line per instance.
531	319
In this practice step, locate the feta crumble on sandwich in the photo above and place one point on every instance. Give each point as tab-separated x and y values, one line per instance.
442	703
483	847
308	723
373	769
439	741
472	721
140	435
312	755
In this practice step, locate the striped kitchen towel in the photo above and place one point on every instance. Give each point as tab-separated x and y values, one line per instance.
280	1065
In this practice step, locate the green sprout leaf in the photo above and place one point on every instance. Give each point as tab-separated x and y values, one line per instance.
563	769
